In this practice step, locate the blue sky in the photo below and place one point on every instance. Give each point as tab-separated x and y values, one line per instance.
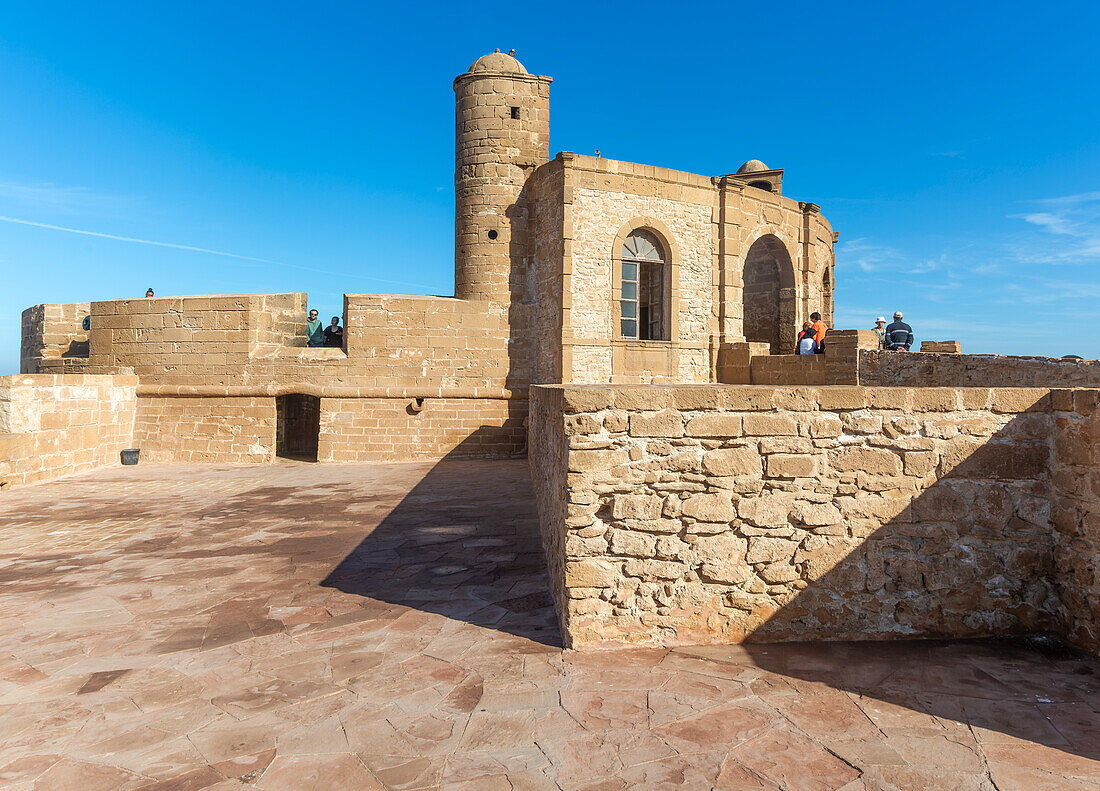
955	147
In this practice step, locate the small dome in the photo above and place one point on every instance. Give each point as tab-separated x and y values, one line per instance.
499	63
752	166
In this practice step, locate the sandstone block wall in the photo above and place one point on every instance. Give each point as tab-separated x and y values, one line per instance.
549	251
752	363
230	430
402	429
719	514
896	369
54	425
53	338
241	429
1075	474
941	347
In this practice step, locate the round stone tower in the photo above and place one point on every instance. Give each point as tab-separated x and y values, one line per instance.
502	133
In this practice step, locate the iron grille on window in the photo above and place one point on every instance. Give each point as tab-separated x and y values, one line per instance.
642	298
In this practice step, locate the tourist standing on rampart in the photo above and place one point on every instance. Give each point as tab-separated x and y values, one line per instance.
334	333
880	331
899	335
315	331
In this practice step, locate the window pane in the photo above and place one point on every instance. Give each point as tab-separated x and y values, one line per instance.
642	244
630	309
629	328
630	290
630	271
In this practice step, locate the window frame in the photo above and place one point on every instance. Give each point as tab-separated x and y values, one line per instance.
649	274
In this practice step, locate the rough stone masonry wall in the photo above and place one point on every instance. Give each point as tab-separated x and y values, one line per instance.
924	369
715	514
54	425
1076	513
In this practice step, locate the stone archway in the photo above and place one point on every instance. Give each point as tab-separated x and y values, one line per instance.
768	295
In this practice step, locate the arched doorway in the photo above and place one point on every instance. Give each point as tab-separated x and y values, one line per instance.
768	295
298	426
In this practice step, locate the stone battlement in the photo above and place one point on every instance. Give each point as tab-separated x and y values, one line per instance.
676	515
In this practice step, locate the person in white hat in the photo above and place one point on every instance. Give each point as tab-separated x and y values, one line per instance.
880	331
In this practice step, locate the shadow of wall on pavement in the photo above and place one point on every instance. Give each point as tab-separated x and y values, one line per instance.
463	543
1009	691
973	555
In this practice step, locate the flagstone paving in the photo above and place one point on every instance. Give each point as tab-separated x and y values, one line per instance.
388	627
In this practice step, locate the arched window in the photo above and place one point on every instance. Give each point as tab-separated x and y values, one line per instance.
642	301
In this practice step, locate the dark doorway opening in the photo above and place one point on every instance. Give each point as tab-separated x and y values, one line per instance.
768	295
298	425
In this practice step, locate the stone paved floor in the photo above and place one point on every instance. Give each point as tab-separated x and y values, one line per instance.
337	627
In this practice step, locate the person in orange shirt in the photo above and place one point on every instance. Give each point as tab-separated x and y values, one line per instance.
819	329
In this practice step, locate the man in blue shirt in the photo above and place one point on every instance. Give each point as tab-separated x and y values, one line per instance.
899	335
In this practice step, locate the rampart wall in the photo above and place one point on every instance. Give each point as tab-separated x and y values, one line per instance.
723	514
53	339
53	425
209	366
853	357
898	369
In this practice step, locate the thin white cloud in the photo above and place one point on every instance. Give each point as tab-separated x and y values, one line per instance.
1071	226
1050	221
59	198
204	250
868	256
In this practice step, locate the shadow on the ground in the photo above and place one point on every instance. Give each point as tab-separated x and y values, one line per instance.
973	555
1029	688
463	543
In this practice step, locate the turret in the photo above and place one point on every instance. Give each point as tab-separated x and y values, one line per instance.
502	133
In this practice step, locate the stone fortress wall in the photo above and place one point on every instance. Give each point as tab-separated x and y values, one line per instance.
58	424
686	515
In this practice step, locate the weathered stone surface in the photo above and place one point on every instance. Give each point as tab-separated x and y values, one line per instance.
815	514
825	425
871	460
781	465
591	574
636	506
764	511
653	569
776	573
631	544
768	550
732	461
710	508
765	425
663	424
590	460
920	464
867	520
719	425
